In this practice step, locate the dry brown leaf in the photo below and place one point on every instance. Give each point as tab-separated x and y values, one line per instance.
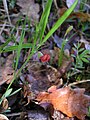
29	8
40	77
28	93
80	15
72	102
4	105
6	72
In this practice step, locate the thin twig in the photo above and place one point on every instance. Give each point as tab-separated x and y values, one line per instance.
15	114
86	5
1	10
3	27
6	9
78	82
55	3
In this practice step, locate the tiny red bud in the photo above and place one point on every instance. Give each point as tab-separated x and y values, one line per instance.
45	58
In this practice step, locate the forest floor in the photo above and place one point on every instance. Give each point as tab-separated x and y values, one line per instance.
45	60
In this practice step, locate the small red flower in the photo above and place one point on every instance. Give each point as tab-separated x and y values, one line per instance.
45	58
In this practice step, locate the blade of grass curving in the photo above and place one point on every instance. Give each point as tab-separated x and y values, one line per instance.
19	48
65	40
59	22
12	48
61	53
28	58
44	19
5	44
6	94
16	91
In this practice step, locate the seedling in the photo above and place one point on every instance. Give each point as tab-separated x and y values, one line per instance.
61	54
81	56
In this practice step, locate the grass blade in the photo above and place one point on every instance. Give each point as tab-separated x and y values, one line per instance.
12	48
20	44
59	22
44	19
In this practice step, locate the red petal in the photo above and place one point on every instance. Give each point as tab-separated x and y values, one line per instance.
45	58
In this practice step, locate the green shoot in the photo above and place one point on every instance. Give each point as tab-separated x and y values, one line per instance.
15	47
89	112
6	94
60	59
44	19
81	56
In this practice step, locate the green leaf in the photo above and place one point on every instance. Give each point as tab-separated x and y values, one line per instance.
75	46
74	49
7	93
85	52
12	48
44	19
5	44
73	55
15	92
68	30
89	111
85	60
81	49
79	44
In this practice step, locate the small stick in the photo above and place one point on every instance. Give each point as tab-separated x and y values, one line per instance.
15	114
6	9
3	28
55	2
78	82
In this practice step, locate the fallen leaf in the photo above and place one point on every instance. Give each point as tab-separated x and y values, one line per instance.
4	105
40	77
80	15
6	71
72	102
29	8
28	93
